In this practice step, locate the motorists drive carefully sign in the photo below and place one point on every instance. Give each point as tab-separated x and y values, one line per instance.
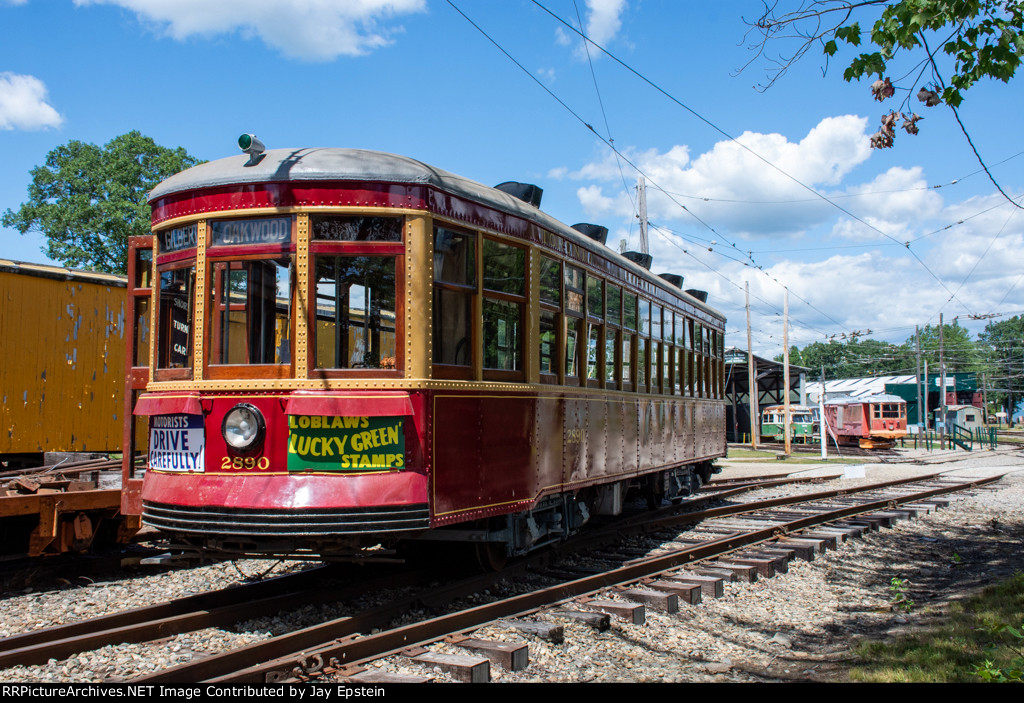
176	443
333	443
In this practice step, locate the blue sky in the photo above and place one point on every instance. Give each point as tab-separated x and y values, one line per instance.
415	77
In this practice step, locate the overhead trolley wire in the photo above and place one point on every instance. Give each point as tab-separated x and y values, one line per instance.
728	136
611	146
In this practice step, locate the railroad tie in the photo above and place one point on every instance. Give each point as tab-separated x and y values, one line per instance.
463	668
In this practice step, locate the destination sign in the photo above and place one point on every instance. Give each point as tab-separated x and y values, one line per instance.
178	238
177	443
274	230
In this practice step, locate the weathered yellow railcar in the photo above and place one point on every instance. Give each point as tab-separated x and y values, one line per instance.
62	362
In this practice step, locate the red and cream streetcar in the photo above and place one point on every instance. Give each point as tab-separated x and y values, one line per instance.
871	422
350	348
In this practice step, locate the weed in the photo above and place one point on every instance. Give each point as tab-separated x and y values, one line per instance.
898	597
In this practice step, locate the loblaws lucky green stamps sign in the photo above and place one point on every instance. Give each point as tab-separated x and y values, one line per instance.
331	443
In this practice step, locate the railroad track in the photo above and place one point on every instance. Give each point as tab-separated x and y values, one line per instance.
338	648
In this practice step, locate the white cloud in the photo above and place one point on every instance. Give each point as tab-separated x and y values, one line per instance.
23	103
604	19
603	22
314	30
737	191
975	246
897	203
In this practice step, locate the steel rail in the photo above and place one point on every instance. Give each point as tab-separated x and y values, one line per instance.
145	623
340	642
392	642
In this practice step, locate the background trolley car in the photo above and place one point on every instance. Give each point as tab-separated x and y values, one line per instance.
872	422
353	348
802	426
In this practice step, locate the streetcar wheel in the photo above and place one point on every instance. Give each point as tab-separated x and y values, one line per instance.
491	556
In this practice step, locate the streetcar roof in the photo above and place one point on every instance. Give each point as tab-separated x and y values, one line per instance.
361	165
859	400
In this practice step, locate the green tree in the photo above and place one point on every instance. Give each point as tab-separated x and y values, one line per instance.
88	200
1005	339
981	38
947	46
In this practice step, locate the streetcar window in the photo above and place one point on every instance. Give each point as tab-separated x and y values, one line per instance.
251	303
504	283
593	344
454	288
595	297
504	268
356	229
451	331
641	362
644	318
140	348
549	342
573	290
177	291
627	357
614	305
502	335
355	312
656	327
611	341
629	310
454	257
571	349
659	374
550	281
143	267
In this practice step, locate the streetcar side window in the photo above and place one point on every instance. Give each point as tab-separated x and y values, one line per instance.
644	345
629	325
613	318
574	297
252	310
657	360
454	288
504	284
550	318
177	291
355	312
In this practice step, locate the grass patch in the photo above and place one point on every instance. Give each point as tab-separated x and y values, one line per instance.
795	458
968	637
749	454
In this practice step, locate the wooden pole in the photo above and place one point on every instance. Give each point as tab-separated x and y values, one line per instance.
785	373
755	418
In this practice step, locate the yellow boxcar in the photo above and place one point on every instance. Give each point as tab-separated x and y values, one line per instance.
62	366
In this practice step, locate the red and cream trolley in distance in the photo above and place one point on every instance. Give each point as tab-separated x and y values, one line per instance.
350	348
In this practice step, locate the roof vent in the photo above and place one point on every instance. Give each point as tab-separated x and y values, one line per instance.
595	232
527	192
701	295
673	278
644	260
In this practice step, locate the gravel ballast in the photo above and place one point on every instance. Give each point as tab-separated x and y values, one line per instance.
796	626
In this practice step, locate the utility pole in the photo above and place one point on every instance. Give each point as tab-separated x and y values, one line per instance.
755	419
921	410
942	391
927	388
821	418
641	206
984	400
785	373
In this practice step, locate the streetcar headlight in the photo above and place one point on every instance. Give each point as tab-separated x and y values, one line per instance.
243	427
